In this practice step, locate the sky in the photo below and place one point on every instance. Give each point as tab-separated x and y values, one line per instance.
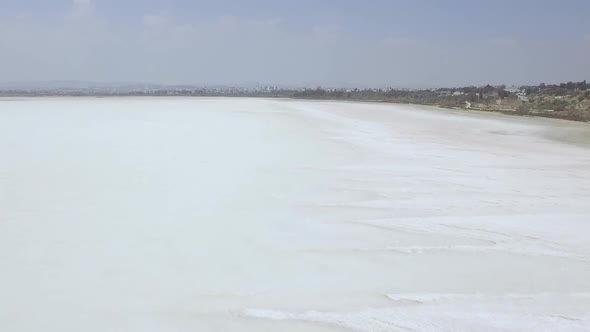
371	43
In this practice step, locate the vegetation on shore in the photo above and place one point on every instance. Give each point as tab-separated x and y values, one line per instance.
569	101
565	101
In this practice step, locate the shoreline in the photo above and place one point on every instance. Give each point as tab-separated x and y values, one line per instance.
546	115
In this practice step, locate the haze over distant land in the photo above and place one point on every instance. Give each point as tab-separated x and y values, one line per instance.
382	43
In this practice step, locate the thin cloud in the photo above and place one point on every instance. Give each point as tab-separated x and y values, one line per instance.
84	44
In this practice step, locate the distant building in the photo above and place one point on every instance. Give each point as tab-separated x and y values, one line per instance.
513	89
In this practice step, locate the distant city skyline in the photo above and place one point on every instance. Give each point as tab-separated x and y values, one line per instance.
403	43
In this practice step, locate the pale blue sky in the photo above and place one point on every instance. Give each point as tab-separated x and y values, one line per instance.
370	43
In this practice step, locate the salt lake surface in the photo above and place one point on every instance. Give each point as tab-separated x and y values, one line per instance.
180	214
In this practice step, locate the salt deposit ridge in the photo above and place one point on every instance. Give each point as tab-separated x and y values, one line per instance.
182	214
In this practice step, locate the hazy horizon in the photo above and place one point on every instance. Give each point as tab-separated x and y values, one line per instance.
337	43
81	84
